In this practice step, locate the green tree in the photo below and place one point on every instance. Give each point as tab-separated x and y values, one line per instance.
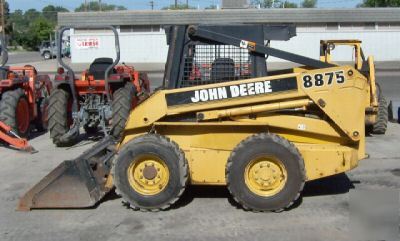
178	7
274	4
30	28
50	12
380	3
309	4
94	6
211	7
31	15
265	3
8	25
288	4
39	31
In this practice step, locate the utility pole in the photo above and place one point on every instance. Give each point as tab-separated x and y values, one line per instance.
187	3
176	4
151	5
100	7
3	31
86	6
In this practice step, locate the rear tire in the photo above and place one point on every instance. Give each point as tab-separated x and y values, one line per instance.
121	107
59	116
155	192
265	172
381	123
18	120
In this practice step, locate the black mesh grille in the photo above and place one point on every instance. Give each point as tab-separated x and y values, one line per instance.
207	64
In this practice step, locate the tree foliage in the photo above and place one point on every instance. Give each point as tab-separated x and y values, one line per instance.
178	7
93	6
31	27
380	3
212	6
288	4
309	4
274	4
50	12
8	25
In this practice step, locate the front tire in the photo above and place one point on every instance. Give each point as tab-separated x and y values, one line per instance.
265	172
14	111
60	116
150	173
47	55
381	123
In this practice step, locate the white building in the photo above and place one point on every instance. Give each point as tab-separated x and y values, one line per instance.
143	40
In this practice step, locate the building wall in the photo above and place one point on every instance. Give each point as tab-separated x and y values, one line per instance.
137	47
149	46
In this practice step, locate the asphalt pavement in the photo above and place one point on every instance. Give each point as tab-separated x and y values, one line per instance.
24	57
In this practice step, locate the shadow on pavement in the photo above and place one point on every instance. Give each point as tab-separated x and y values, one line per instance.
333	185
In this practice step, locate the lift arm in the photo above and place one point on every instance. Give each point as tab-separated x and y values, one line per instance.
199	32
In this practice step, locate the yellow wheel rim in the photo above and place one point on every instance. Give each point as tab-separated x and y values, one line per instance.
265	176
148	174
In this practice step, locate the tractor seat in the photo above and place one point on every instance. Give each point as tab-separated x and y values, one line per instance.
223	69
99	66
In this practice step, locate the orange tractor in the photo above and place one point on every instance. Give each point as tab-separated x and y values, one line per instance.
101	98
23	103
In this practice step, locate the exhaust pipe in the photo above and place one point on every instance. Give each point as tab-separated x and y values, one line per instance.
78	183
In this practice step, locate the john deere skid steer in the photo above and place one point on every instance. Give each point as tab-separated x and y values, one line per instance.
221	118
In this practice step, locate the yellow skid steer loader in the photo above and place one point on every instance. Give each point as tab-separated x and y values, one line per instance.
221	118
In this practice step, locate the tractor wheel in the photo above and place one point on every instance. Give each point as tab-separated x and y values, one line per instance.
14	111
121	107
60	116
150	173
382	118
47	55
265	172
42	120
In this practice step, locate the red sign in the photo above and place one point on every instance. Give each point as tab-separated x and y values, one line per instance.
87	43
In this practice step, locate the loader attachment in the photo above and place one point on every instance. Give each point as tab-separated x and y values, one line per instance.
78	183
11	138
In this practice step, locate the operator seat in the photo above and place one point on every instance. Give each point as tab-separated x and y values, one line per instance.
99	66
223	69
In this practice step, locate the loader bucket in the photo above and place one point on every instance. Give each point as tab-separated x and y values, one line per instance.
79	183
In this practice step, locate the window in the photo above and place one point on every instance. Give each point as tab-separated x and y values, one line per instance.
389	26
140	28
369	26
357	26
89	30
311	27
332	26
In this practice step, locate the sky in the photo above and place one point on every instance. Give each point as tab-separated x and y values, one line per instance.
144	4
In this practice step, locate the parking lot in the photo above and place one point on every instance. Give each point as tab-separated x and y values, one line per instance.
203	212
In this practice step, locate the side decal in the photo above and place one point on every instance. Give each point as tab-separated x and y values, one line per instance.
231	91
